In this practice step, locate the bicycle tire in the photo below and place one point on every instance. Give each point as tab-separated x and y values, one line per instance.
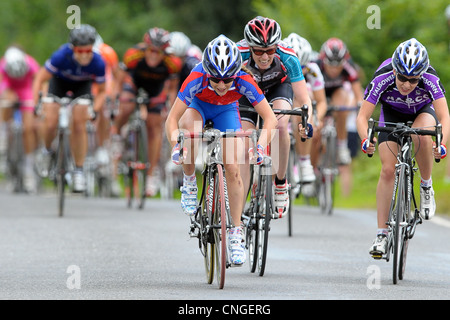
142	159
206	237
293	185
220	225
264	223
328	168
251	231
398	229
61	170
404	234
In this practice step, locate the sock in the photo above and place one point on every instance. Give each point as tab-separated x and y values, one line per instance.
279	182
382	232
425	183
192	179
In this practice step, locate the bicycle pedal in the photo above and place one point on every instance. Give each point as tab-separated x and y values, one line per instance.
377	256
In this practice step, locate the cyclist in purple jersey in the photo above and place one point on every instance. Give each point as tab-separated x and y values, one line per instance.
72	68
278	72
211	92
408	89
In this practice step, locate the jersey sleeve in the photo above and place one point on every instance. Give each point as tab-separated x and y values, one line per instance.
192	85
291	62
247	86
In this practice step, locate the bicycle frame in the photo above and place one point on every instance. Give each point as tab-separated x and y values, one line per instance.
402	222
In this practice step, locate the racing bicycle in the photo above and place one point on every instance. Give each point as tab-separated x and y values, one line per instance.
404	211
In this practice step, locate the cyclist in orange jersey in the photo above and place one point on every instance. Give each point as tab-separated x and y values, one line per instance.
148	66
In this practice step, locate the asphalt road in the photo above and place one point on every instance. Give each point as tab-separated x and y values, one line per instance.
102	250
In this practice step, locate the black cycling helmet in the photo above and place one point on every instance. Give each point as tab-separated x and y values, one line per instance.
82	35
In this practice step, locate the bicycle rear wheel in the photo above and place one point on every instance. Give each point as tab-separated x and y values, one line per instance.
290	175
220	223
328	170
263	222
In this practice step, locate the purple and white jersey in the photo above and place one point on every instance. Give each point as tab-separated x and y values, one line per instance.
382	89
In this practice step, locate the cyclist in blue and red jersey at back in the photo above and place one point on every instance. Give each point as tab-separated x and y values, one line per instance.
337	68
149	66
407	88
278	72
211	92
71	69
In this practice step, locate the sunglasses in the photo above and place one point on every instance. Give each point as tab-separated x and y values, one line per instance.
259	52
225	80
81	50
402	78
154	50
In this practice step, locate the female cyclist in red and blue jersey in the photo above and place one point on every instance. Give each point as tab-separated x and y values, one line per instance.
211	92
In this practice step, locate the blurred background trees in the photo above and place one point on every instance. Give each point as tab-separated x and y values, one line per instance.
40	26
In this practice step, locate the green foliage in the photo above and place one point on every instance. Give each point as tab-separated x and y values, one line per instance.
399	20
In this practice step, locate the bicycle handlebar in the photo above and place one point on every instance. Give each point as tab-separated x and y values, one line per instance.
85	100
402	129
214	135
301	112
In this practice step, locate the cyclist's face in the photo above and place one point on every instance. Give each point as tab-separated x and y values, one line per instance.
83	54
153	56
333	71
405	87
263	57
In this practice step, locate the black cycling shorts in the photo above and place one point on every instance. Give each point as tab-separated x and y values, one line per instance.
60	87
282	91
390	115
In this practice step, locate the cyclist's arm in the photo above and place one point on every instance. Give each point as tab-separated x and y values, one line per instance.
172	90
365	112
174	116
42	76
100	97
357	91
441	108
270	122
301	95
321	103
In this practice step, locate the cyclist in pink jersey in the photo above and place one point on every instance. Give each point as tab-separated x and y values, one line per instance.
17	71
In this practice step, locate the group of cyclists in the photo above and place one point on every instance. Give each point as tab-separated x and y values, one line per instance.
187	87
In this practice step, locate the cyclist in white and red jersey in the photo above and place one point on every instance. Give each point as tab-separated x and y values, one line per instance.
17	72
308	151
278	72
211	92
337	67
407	88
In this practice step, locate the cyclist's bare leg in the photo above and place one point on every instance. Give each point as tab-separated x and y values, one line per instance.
50	123
235	185
340	98
78	136
245	165
385	185
192	122
423	145
282	150
125	109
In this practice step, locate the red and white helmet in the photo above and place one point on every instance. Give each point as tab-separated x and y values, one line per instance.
262	32
334	52
157	37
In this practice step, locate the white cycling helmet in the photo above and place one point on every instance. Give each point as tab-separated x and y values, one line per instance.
410	58
15	62
301	47
179	44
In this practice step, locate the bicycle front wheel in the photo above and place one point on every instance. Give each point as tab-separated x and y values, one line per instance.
61	171
400	226
263	223
252	226
206	235
220	223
